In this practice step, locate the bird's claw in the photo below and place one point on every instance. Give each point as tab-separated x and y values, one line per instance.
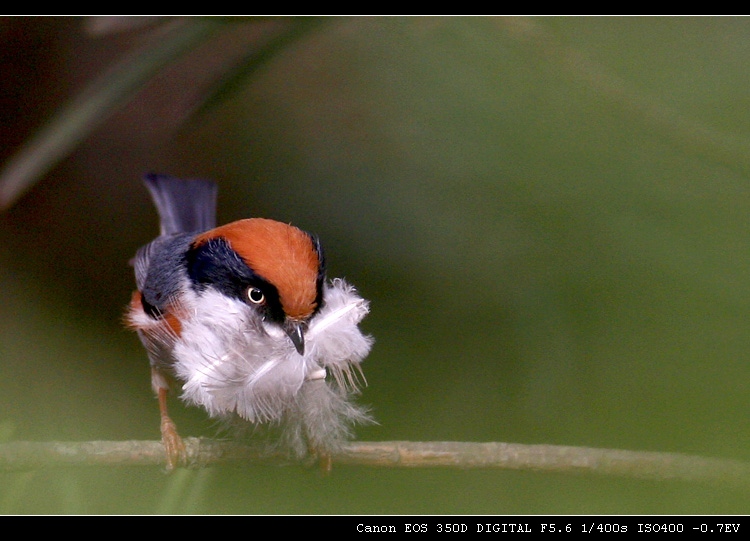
173	444
325	462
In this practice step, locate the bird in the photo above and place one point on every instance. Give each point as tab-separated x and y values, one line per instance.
242	321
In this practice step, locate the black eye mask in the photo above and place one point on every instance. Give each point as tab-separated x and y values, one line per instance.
214	263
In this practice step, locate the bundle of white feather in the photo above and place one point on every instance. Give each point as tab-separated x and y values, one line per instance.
235	367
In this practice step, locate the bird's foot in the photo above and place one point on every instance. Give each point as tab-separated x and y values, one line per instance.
173	444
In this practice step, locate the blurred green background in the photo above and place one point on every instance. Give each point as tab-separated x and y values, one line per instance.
550	217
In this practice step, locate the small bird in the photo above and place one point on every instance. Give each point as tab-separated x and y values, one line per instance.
243	321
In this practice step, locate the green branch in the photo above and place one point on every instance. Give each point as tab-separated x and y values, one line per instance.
201	453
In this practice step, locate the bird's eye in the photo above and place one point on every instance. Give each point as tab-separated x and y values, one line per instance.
255	295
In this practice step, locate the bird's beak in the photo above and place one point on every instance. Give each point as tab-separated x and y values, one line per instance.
295	330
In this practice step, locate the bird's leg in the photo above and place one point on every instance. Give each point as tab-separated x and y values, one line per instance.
325	462
173	444
323	458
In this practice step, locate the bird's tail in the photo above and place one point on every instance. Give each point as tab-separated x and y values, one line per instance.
184	205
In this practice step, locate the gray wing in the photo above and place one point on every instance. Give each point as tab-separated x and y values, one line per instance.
159	268
140	264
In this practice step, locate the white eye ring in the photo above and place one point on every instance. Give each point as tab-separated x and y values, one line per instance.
255	295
